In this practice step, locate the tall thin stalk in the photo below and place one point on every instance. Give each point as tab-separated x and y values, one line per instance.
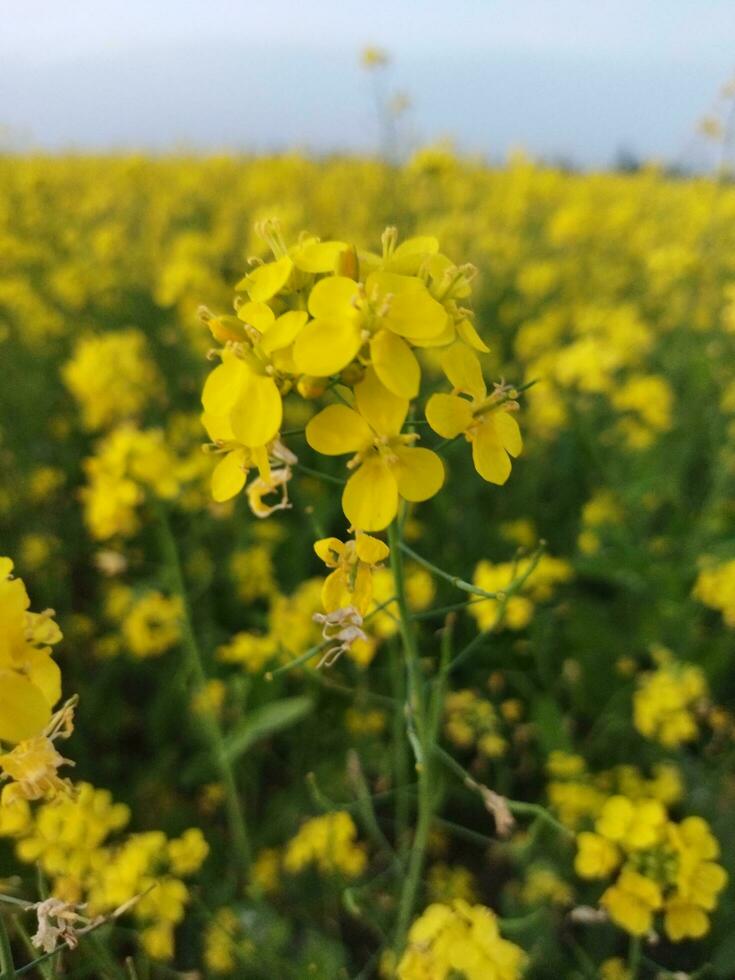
419	734
210	725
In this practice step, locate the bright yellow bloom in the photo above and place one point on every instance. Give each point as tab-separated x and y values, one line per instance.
459	938
632	901
328	842
111	377
665	702
388	315
387	465
596	856
484	420
30	681
632	825
351	582
153	624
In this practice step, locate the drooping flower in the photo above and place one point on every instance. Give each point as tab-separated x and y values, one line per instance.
351	582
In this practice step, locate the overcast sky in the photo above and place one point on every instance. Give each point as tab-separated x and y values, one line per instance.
559	77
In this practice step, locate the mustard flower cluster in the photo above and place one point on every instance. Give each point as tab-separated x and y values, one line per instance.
131	465
471	721
328	844
323	316
459	939
667	702
517	609
658	866
715	587
73	839
112	377
30	688
577	795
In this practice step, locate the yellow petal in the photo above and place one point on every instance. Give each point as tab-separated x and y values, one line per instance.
508	430
362	589
395	364
384	411
324	347
409	255
24	711
462	367
334	591
419	473
337	430
229	476
218	427
371	550
256	315
370	499
332	297
256	416
264	282
313	256
491	460
44	673
329	550
448	415
223	386
466	330
284	331
412	310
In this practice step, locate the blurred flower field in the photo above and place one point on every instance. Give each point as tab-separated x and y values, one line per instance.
394	604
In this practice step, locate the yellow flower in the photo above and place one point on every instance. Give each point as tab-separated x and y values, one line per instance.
387	315
328	842
614	969
153	624
351	582
684	920
485	421
632	901
633	825
387	466
30	681
459	938
596	856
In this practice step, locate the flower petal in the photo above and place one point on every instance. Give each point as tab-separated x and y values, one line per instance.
491	460
395	364
419	473
384	411
266	280
412	311
223	386
314	256
468	333
370	499
337	430
508	431
324	347
462	367
284	331
371	550
448	415
229	476
24	711
257	414
332	297
257	315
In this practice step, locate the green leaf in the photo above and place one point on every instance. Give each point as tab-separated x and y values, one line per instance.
265	721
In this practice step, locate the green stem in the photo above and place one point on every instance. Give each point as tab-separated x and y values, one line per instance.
634	956
210	725
418	735
6	953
